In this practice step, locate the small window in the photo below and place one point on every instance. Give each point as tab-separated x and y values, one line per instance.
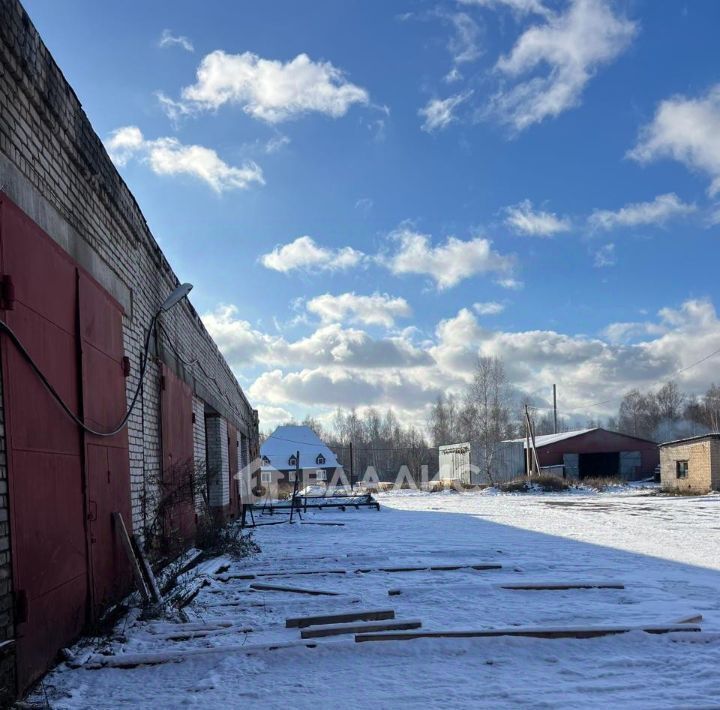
320	460
681	469
320	475
266	461
265	477
292	461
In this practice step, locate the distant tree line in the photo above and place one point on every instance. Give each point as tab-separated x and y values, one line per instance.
668	413
379	440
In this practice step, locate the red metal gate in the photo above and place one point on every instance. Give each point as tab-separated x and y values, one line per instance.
233	469
178	457
107	462
53	546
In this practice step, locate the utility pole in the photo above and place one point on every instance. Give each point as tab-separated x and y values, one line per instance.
555	408
527	442
351	467
295	486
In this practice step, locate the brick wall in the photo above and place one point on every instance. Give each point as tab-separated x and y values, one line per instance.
703	459
55	168
218	463
199	446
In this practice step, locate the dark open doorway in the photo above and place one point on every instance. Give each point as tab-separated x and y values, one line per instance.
601	465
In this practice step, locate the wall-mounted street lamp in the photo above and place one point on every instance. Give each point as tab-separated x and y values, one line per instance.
173	299
176	296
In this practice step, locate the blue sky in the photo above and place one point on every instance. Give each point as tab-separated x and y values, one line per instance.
369	195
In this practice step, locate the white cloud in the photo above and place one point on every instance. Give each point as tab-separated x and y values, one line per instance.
510	283
464	44
440	113
605	256
488	308
448	263
364	204
410	253
631	331
305	254
270	90
519	7
271	417
167	156
124	143
330	345
276	143
335	366
452	76
240	343
346	388
168	39
591	369
522	219
573	46
377	309
658	211
686	130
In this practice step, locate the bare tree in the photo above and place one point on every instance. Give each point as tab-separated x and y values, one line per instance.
490	395
443	422
670	402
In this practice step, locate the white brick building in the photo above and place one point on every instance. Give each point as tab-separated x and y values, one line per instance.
81	277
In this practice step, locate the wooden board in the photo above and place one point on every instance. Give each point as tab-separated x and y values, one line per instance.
362	570
300	622
577	632
428	568
558	586
313	632
286	573
132	660
691	619
187	634
129	550
260	587
150	579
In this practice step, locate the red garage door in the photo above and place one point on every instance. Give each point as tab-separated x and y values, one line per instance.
178	458
55	476
107	462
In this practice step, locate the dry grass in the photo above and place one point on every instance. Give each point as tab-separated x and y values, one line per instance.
543	482
519	485
673	491
440	486
600	483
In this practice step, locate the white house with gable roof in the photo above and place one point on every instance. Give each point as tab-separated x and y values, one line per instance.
279	455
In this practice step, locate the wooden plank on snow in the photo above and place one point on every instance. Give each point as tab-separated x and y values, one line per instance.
363	627
558	586
576	632
692	619
429	568
150	579
130	552
132	660
300	622
261	587
282	573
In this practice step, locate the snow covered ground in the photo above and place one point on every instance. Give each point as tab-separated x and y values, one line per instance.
664	550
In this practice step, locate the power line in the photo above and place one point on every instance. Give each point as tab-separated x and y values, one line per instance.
619	399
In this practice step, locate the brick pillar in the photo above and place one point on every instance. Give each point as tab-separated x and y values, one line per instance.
199	446
218	465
